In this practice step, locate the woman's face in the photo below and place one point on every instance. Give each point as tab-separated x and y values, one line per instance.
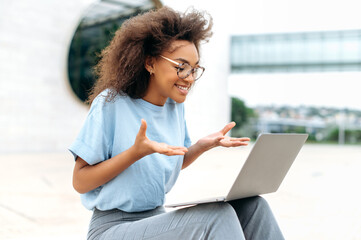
164	82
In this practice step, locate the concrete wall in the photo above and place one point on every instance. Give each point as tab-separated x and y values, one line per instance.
38	110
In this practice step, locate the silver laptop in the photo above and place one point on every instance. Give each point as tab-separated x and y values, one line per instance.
264	170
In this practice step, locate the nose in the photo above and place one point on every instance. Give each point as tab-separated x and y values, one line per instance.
190	78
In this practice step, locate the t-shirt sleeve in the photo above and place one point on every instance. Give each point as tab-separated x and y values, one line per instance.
92	143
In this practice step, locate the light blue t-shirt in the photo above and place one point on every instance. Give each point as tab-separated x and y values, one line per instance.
109	129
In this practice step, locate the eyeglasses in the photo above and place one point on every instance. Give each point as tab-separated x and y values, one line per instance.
184	69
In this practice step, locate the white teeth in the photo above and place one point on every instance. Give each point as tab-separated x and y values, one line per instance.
183	88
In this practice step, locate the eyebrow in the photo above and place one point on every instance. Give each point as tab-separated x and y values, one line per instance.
186	61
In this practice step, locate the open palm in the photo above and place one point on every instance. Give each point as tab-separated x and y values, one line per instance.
220	139
147	146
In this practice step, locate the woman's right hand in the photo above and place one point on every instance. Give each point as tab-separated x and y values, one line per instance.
145	146
88	177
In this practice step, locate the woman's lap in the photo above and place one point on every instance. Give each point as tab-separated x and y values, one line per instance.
205	221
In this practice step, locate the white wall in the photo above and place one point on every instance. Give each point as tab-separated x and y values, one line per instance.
38	111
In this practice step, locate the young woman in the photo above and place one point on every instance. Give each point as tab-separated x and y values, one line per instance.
134	141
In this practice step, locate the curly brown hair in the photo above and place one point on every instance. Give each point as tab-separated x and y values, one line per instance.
121	68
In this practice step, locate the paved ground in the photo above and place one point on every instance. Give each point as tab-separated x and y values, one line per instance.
319	199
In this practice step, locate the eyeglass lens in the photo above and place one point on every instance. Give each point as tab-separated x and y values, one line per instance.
185	70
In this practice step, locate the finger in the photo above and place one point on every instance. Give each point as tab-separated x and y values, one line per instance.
174	152
240	139
240	143
233	144
171	152
143	127
184	149
166	149
228	127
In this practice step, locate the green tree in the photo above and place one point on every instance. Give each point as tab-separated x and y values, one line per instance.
240	114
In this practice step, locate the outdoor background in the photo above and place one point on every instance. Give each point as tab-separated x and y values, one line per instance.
271	66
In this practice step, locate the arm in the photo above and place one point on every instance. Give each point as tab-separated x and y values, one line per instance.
211	141
88	177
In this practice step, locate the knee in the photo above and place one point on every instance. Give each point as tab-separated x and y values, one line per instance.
225	209
223	212
219	208
224	216
251	205
220	221
258	202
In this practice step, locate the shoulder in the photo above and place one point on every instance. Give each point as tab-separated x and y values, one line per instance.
107	95
107	105
107	98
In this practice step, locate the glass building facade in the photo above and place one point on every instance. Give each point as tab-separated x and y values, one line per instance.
297	52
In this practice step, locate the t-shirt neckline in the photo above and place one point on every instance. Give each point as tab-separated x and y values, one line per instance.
151	105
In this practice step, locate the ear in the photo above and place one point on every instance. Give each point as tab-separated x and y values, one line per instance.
149	64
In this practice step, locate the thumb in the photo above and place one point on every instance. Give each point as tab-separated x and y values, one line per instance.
228	127
143	127
220	138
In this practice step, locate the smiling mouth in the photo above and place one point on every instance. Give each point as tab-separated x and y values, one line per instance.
182	87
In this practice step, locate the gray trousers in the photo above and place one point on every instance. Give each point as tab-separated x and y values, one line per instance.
249	218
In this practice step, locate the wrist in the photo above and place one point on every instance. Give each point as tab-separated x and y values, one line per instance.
203	147
136	153
139	152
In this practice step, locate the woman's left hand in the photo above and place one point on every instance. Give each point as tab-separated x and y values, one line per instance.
220	139
211	141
